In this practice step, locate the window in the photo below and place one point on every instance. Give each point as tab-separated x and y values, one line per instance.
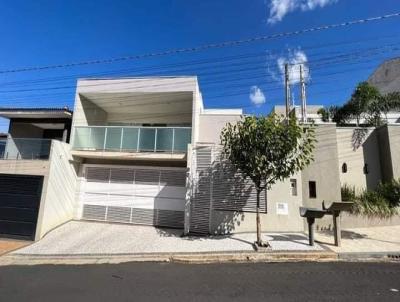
293	187
366	169
344	168
312	189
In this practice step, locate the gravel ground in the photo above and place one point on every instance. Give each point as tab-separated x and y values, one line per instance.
79	238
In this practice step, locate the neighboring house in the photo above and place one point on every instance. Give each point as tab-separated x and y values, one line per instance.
33	151
3	141
146	151
312	112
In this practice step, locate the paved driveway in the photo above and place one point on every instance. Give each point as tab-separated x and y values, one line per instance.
92	238
8	245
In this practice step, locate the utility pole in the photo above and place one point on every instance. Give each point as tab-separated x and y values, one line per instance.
303	96
287	90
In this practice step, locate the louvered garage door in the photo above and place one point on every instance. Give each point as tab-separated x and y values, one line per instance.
19	205
138	195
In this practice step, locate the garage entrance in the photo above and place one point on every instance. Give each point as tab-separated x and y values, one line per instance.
19	205
137	195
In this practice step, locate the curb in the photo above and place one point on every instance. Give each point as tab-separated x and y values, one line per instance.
365	256
189	258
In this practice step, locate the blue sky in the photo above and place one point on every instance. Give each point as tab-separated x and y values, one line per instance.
47	32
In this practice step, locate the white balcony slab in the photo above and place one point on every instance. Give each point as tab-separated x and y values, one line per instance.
130	155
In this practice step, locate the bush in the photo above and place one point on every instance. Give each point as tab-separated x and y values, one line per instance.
390	191
372	204
348	193
381	203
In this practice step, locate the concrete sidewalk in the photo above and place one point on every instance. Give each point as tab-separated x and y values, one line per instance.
80	242
92	238
364	241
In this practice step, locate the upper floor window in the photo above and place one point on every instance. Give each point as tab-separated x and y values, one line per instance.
344	168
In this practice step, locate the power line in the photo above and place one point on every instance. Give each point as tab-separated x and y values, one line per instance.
206	46
318	63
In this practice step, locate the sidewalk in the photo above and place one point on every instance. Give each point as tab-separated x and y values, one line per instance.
364	241
92	238
80	242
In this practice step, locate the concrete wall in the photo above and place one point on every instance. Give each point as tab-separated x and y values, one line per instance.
87	113
324	169
394	139
25	167
210	126
357	147
385	154
58	196
237	222
24	130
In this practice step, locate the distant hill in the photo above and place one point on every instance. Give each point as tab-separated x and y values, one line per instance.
387	76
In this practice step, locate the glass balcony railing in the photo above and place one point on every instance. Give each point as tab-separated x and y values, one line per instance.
25	148
132	139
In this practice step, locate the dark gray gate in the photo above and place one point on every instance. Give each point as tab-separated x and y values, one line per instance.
19	205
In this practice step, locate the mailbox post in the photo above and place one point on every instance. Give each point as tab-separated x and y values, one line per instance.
334	209
311	214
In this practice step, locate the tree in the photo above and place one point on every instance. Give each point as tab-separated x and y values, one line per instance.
267	150
361	100
388	102
329	113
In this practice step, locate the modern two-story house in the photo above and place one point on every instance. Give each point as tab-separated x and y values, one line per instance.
146	151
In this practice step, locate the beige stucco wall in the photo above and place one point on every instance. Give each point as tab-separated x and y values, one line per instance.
210	126
58	196
324	169
357	147
235	222
384	152
394	139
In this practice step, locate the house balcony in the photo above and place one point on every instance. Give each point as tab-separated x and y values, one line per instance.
25	149
29	156
131	142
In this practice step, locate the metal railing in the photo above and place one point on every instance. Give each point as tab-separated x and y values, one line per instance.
25	148
132	139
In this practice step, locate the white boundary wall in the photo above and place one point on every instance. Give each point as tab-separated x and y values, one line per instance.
58	196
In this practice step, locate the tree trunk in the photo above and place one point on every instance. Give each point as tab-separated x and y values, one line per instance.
259	241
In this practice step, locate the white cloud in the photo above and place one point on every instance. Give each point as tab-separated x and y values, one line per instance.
295	59
256	96
280	8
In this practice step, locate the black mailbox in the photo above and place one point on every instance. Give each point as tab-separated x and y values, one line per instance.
311	214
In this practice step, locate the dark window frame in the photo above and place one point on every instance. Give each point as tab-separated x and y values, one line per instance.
312	189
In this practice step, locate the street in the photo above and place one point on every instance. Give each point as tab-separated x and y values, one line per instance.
214	282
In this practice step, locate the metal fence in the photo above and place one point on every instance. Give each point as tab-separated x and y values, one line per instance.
25	148
132	139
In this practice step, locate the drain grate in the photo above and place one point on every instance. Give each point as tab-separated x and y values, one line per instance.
394	256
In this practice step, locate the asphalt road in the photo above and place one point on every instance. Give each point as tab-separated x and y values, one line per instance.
216	282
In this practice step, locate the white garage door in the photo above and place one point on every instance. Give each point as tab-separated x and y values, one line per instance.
138	195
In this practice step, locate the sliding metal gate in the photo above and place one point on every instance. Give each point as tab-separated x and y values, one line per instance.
217	187
137	195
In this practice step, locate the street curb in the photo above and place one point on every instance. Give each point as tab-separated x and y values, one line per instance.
360	256
189	258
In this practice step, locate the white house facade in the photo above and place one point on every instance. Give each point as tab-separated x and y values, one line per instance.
146	151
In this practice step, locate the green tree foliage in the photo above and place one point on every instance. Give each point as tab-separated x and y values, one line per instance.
267	150
365	103
363	96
